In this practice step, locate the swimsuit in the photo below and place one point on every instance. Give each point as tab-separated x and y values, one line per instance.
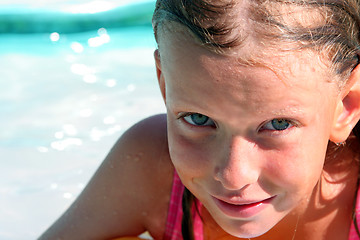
353	235
173	223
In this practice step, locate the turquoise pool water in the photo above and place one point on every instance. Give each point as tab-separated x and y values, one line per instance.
64	100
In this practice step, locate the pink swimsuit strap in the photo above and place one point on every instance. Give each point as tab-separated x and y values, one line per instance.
174	217
353	234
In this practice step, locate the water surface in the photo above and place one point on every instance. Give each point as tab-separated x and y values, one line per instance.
65	98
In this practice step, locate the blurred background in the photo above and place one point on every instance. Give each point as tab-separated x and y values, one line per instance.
74	75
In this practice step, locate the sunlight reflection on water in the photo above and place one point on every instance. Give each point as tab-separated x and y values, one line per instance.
62	107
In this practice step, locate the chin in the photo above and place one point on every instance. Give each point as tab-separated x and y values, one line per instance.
248	233
250	229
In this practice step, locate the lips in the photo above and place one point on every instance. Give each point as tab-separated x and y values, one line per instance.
242	209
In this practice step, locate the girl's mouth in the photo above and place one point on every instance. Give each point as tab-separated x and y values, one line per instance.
244	209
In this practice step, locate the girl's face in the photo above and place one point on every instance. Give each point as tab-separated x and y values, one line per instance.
248	141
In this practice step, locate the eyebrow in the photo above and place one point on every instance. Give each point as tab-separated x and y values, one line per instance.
289	110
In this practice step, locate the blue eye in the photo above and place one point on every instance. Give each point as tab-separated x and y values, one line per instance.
277	125
198	119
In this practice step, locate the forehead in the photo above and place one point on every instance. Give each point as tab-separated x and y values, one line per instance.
180	44
231	92
281	82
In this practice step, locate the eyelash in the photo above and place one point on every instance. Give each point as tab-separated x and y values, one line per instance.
291	123
183	116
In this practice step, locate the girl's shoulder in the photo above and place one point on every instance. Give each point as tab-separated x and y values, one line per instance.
143	152
128	194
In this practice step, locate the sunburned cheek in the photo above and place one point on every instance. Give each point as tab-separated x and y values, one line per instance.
293	168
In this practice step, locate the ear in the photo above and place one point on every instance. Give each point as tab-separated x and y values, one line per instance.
347	112
159	74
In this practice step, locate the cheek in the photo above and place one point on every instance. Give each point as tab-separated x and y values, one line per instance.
190	158
297	167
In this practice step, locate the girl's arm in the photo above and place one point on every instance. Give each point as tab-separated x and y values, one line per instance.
128	194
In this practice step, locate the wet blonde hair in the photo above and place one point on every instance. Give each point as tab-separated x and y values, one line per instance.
330	26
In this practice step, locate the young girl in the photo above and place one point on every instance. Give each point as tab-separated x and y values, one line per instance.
261	136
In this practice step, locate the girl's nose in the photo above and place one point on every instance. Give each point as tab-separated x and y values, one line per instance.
239	166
